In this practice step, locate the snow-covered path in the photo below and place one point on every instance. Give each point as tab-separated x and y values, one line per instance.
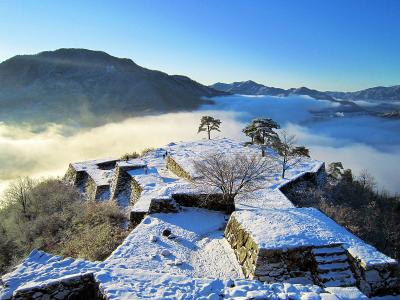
196	246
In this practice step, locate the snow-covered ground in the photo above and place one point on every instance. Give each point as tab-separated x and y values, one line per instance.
296	227
121	282
196	261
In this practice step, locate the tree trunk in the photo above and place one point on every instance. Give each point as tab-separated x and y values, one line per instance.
208	131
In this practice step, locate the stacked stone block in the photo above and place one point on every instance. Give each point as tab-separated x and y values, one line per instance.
75	287
174	167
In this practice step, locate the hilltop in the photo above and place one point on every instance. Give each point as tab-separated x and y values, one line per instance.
88	88
183	244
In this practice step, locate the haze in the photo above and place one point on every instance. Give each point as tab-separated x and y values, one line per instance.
359	142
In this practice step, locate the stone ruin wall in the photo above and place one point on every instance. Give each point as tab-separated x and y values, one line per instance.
76	178
372	280
136	191
121	181
318	178
267	265
174	167
376	279
285	265
82	286
207	201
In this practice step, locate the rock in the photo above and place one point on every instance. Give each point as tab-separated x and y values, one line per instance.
153	238
230	283
37	295
372	276
61	295
166	232
165	253
172	236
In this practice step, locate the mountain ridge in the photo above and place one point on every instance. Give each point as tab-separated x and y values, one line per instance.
250	87
89	88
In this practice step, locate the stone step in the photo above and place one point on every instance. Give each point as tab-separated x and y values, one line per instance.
324	268
331	258
335	275
323	251
341	283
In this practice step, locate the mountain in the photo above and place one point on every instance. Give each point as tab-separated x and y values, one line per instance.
247	88
88	88
253	88
250	87
379	93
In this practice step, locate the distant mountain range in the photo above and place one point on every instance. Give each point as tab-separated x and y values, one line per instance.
88	88
253	88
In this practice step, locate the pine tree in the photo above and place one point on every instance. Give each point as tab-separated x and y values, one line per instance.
208	124
261	130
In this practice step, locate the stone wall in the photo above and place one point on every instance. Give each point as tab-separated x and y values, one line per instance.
82	286
174	167
121	180
372	280
268	265
207	201
76	178
136	217
136	191
102	192
318	178
163	205
90	189
107	165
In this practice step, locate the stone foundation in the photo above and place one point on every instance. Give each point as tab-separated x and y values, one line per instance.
75	287
121	180
268	265
382	279
175	168
318	178
136	191
76	178
136	217
207	201
163	206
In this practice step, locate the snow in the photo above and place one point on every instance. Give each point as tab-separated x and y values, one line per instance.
297	227
40	269
99	176
199	244
195	261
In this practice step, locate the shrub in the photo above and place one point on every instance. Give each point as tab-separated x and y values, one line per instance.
355	204
146	150
128	156
53	215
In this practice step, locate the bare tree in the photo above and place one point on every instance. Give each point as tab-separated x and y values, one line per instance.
289	154
20	192
233	175
366	180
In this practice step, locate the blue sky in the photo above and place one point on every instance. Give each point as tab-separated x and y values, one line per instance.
327	45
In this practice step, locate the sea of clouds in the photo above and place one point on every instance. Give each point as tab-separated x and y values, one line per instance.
360	142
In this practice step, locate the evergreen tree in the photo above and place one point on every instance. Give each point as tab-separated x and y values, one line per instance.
262	130
208	124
